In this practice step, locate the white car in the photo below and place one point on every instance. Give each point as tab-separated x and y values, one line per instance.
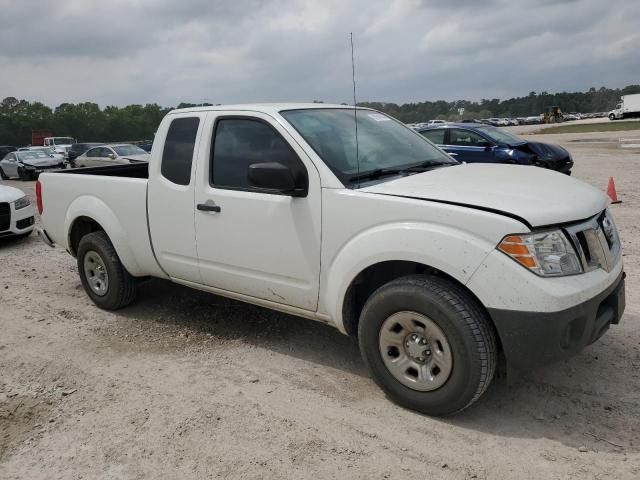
48	150
27	164
106	155
16	213
438	268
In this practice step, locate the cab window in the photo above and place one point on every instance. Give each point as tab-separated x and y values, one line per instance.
240	142
179	146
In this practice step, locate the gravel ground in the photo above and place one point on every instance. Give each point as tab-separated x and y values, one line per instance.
184	384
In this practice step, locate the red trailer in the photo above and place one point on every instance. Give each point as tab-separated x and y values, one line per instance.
38	136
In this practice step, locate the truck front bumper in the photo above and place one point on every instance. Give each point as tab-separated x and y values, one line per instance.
534	338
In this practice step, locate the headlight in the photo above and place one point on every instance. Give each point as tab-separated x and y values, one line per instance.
548	254
22	202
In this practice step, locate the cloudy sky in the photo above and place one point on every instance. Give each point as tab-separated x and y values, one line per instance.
226	51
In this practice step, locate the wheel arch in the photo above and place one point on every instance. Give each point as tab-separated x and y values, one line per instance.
374	276
87	214
80	227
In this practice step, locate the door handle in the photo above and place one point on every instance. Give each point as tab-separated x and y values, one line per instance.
208	207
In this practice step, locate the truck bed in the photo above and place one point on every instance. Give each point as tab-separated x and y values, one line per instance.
115	197
133	170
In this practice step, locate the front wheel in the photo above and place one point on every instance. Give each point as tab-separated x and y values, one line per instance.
3	176
612	116
428	344
23	174
103	276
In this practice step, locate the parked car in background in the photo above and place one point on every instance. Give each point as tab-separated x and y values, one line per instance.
112	155
533	120
60	144
48	150
477	143
78	149
146	146
28	164
4	149
16	213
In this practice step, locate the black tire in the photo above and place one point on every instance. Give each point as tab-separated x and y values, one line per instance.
121	290
3	176
22	174
612	116
459	316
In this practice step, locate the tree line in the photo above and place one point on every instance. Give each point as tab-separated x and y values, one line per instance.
87	122
592	101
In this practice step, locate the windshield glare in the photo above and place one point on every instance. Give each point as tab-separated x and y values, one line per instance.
62	140
500	136
129	150
383	143
30	155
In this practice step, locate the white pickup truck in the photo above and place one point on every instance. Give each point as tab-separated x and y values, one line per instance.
440	269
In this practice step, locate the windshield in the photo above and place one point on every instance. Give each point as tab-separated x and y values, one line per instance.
49	150
383	143
63	140
123	150
32	154
500	136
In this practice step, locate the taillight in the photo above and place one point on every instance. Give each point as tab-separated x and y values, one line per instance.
39	197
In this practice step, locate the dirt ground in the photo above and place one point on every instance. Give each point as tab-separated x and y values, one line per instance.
183	384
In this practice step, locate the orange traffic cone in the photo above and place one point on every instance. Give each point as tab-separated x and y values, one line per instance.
611	191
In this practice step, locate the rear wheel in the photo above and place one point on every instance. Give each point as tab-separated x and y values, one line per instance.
103	276
428	344
3	176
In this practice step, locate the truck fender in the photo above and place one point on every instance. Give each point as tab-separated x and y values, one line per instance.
454	252
97	210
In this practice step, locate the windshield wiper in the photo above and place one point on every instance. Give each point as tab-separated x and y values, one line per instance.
377	173
417	168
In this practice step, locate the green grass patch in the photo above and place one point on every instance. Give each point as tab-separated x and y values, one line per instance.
611	126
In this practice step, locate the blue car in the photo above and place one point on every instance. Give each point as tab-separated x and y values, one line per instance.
475	142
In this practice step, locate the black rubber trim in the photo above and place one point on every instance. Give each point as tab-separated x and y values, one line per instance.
531	339
459	204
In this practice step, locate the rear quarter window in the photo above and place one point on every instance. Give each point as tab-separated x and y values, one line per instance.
179	145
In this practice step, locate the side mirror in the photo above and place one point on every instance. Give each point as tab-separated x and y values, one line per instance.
277	177
112	156
486	144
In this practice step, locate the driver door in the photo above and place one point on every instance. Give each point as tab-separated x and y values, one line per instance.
10	165
259	244
467	146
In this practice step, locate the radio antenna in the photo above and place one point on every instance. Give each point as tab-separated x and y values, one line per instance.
355	109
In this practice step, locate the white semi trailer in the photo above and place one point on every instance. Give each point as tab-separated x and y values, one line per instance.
629	106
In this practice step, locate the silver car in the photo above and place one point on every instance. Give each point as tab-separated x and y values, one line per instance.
105	155
27	164
48	150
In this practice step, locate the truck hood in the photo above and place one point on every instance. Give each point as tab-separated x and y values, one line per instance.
535	195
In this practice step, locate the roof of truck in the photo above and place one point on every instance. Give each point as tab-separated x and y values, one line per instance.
263	107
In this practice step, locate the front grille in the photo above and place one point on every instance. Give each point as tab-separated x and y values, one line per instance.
5	216
24	223
597	242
